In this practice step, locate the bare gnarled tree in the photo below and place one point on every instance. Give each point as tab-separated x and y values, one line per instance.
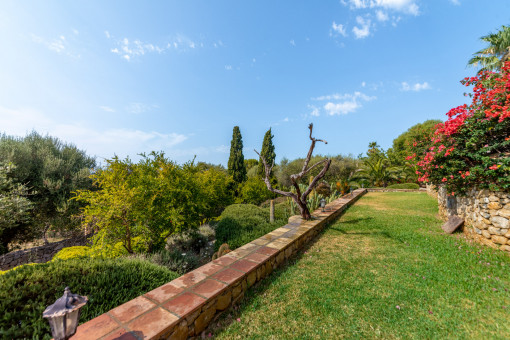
298	197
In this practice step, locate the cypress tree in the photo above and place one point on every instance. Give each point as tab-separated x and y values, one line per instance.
236	167
268	153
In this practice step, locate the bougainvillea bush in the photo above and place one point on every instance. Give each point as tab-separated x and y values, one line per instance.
472	148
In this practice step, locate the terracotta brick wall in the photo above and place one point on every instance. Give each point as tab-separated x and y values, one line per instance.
184	307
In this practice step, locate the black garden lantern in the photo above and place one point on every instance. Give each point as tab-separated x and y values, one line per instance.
323	203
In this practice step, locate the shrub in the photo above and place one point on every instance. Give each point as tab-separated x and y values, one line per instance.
404	186
75	252
174	260
254	191
28	290
242	223
471	148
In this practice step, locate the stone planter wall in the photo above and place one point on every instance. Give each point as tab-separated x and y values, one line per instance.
184	307
486	215
39	254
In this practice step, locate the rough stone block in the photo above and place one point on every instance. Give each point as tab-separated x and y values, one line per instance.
203	319
453	223
224	301
494	231
505	247
500	222
180	332
504	213
494	205
499	239
252	278
486	234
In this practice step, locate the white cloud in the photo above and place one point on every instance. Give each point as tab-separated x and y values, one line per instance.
363	84
338	96
58	45
228	67
339	28
103	143
455	2
315	111
138	108
364	30
107	109
292	42
381	16
338	104
128	48
343	108
404	6
415	87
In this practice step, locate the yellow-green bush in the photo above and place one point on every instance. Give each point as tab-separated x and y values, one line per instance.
75	252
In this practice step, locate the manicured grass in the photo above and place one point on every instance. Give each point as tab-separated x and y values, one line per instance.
383	270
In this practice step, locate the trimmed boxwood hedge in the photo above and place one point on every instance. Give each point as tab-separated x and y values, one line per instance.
27	290
404	186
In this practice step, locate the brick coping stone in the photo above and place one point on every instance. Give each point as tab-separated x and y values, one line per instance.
184	307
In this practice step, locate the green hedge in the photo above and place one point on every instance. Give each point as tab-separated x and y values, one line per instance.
242	223
27	290
404	186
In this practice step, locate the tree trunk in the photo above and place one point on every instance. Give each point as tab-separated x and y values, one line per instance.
305	213
271	212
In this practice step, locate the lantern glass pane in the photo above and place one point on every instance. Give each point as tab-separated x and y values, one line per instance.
72	322
57	327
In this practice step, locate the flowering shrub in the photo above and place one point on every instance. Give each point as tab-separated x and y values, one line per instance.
472	148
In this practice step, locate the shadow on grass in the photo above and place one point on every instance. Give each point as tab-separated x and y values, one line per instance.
228	317
368	232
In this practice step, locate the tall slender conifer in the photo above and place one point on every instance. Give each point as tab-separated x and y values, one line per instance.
267	152
236	166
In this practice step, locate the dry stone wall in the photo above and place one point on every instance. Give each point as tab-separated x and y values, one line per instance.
39	254
486	215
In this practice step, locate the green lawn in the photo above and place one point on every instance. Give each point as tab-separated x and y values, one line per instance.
383	270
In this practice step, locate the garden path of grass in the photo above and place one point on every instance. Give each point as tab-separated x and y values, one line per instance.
382	270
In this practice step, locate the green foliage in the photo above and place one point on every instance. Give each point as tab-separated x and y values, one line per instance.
242	223
404	186
51	170
376	170
323	189
14	210
268	153
75	252
236	167
254	191
27	291
250	163
413	143
342	167
151	199
496	53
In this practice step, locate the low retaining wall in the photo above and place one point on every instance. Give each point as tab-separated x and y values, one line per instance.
185	306
486	215
39	254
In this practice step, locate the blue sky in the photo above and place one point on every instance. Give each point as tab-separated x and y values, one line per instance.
125	77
